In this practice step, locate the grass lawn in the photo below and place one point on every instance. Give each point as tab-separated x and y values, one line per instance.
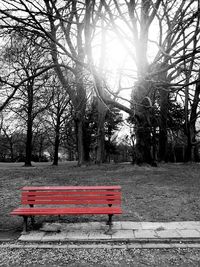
167	193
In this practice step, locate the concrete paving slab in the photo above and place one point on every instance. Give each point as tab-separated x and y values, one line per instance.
131	225
98	235
78	235
53	237
122	231
51	227
63	226
89	226
94	226
190	225
172	225
145	234
152	225
116	226
78	226
34	236
123	234
188	233
168	234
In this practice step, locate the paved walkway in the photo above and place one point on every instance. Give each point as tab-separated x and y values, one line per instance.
130	232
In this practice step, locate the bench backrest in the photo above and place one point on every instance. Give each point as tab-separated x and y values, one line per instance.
73	195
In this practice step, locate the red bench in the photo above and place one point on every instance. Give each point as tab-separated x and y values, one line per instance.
69	200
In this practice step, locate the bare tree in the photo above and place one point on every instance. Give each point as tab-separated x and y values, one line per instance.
69	28
31	97
169	20
57	113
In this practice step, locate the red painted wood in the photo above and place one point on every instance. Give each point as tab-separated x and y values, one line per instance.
79	200
104	197
69	202
29	193
66	197
27	188
103	202
66	211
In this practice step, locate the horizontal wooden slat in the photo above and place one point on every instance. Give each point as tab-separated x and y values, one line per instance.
43	193
52	198
72	202
66	211
28	188
66	196
70	197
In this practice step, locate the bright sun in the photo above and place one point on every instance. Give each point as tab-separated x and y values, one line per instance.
115	56
113	59
113	52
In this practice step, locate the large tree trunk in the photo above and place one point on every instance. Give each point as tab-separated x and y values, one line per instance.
164	110
86	141
29	134
191	154
141	92
77	93
11	152
143	128
28	143
80	99
100	150
56	142
79	103
79	138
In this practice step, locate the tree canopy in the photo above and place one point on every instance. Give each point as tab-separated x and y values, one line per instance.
137	56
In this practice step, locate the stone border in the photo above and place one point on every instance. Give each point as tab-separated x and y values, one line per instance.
102	246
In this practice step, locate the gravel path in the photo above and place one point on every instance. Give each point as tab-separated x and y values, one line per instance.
99	257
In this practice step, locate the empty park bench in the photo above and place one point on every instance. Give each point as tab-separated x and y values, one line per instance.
69	200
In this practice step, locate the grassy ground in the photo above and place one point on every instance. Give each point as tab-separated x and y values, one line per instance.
167	193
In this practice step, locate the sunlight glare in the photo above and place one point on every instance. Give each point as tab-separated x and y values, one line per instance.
112	59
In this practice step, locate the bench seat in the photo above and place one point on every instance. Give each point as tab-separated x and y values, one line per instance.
66	211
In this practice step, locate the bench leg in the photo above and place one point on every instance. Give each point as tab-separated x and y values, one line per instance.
25	225
32	221
109	223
